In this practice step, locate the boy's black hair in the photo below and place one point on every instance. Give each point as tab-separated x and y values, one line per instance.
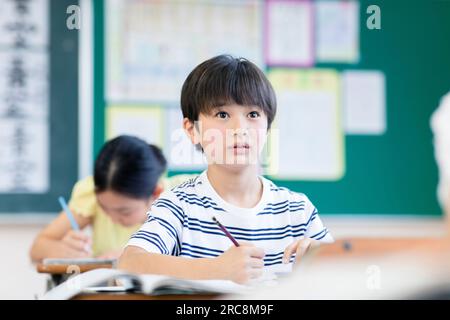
129	166
226	80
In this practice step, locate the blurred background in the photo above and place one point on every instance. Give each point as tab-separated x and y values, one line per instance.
356	83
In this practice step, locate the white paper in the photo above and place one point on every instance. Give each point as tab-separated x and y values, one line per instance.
24	156
180	152
310	138
337	31
289	33
31	23
24	97
33	95
364	102
142	122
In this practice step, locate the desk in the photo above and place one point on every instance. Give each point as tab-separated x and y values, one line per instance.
61	272
60	269
362	247
369	268
341	249
140	296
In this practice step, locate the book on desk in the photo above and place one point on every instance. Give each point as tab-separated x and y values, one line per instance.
99	280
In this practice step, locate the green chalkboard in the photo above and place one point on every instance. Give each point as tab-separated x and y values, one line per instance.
395	173
63	118
390	174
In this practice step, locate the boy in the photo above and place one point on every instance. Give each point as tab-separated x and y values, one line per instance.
228	106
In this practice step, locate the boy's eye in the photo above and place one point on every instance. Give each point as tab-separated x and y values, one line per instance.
254	114
222	115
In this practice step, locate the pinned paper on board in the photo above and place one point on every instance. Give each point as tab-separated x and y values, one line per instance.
149	56
289	33
24	23
24	84
24	97
144	122
307	139
24	155
180	152
364	102
337	31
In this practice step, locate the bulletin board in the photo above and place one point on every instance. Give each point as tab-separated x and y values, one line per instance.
385	166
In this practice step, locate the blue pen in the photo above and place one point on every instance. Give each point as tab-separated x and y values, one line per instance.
69	214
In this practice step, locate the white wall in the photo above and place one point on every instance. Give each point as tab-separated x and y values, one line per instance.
18	278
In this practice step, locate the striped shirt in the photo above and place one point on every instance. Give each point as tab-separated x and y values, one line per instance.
180	223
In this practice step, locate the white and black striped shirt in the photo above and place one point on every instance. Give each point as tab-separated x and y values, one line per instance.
180	223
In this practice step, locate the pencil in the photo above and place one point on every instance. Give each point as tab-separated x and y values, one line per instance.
69	214
226	232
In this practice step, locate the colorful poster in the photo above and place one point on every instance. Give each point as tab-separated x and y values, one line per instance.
307	141
149	55
145	122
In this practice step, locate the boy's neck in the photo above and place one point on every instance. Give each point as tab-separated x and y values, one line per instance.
241	188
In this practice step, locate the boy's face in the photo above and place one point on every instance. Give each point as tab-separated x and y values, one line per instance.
231	135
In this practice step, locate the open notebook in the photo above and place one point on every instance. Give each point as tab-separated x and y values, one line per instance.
147	284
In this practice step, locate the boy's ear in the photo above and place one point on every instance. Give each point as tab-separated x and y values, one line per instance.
158	190
191	131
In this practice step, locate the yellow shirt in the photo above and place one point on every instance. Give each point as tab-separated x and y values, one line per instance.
107	235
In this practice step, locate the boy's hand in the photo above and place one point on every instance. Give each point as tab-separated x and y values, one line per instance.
241	264
113	254
300	247
78	244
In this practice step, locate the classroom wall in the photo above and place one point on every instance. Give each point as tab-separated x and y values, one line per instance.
18	278
393	173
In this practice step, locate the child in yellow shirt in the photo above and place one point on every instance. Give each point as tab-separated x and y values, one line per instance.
114	202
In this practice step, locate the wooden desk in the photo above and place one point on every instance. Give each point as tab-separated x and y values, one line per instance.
67	269
362	247
140	296
342	249
61	272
